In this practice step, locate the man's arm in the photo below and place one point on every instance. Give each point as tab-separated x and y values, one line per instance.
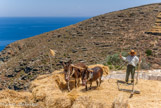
124	58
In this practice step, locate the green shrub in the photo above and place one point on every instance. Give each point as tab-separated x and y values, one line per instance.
110	66
148	52
65	55
114	61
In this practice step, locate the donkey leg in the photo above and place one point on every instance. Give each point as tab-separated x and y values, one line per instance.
78	82
100	81
75	82
86	87
90	85
97	82
68	86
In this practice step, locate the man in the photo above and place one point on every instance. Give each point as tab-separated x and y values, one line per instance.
132	60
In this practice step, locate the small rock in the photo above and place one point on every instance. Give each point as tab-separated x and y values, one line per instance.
10	74
74	51
17	69
155	66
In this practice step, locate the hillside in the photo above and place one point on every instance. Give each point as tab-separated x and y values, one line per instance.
50	91
156	29
89	41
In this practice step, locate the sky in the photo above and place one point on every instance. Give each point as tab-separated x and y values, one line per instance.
65	8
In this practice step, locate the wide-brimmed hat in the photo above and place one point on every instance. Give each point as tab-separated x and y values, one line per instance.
132	51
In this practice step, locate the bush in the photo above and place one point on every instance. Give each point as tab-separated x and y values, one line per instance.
148	52
114	61
110	66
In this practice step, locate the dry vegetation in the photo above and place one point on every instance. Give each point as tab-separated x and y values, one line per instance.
49	91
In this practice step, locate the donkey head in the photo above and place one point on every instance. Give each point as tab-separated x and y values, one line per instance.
67	69
85	76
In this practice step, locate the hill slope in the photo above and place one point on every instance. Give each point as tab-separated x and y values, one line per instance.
89	41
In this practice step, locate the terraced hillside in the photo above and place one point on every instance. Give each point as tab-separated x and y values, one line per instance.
156	29
89	41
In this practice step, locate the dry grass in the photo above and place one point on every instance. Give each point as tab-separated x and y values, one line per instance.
106	69
121	102
13	99
49	91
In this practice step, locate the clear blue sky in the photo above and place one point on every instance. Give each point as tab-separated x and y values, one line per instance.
68	8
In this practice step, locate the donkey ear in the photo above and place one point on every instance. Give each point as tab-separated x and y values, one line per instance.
70	61
62	63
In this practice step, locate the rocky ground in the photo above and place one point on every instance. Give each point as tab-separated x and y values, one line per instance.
50	91
90	41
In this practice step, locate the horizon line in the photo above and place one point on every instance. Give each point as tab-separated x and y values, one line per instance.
47	16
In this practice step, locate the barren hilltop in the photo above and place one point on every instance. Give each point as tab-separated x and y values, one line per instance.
89	41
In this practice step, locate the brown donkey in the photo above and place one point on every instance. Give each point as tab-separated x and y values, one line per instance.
73	70
94	74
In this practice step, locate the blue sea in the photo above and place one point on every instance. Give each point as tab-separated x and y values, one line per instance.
17	28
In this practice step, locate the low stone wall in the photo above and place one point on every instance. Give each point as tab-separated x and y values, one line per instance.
143	74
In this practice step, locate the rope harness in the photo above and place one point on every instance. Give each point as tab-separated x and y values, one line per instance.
73	71
90	76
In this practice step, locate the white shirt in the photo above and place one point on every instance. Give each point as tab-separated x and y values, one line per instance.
132	60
